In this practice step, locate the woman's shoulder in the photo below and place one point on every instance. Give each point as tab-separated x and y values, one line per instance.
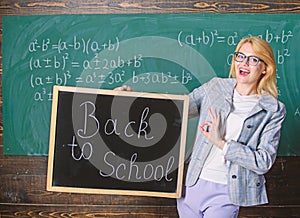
271	103
222	82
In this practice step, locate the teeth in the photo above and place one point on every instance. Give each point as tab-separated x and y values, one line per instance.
244	71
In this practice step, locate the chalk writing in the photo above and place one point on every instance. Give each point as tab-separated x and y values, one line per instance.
54	62
43	94
86	46
283	37
111	126
214	37
55	79
133	171
162	78
207	38
281	55
87	147
98	63
60	57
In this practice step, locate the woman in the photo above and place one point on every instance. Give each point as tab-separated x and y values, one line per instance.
240	122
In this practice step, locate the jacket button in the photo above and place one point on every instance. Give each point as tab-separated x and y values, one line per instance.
257	184
233	176
249	126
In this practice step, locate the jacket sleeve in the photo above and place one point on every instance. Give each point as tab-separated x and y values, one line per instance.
262	158
197	96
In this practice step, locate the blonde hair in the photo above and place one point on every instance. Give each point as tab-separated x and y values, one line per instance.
263	50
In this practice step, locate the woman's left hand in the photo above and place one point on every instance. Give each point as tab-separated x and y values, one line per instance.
211	129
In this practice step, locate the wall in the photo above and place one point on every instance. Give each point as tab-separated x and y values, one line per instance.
23	178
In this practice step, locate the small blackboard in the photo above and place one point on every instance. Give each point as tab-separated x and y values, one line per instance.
114	142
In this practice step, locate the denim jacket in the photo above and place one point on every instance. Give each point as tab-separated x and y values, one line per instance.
252	155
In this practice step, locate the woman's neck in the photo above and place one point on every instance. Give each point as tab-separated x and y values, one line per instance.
245	90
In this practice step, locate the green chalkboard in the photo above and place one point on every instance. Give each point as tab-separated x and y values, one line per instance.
166	53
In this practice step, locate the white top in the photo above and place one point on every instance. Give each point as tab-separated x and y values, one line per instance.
215	168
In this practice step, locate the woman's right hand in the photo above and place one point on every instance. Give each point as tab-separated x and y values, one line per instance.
124	88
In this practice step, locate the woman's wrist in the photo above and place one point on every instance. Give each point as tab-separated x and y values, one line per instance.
222	144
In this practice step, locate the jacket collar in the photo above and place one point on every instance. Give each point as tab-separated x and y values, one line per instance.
268	102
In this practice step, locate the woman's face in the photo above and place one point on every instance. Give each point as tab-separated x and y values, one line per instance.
247	74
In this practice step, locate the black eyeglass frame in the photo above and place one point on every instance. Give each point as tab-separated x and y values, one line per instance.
247	58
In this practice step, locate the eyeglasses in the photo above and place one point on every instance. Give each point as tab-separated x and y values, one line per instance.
251	59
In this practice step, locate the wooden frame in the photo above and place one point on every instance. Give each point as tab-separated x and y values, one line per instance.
53	134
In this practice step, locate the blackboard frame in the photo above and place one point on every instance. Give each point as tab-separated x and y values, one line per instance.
51	186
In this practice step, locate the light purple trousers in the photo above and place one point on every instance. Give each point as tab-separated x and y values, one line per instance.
206	199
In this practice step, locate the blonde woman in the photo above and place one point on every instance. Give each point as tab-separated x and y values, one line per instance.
239	132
